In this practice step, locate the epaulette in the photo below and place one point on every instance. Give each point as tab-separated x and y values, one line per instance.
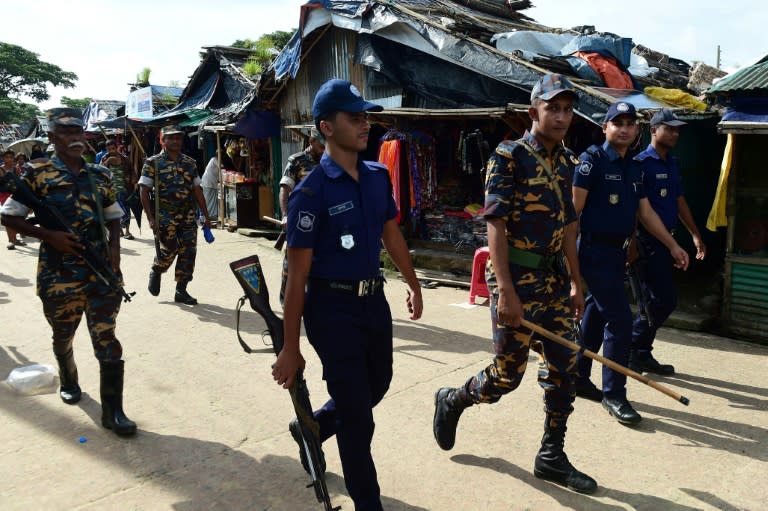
506	148
375	165
594	151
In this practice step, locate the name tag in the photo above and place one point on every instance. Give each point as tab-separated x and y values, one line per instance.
613	177
538	181
662	176
340	208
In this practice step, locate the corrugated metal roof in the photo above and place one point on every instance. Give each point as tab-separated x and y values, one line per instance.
749	79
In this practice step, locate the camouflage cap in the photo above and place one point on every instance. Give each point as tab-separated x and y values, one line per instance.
171	129
317	135
550	85
64	116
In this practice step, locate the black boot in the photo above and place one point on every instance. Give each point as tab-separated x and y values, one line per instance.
449	403
69	391
182	296
552	463
154	283
112	416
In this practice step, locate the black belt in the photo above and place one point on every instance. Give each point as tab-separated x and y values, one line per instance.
607	239
348	287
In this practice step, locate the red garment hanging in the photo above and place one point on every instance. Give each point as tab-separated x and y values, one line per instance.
389	155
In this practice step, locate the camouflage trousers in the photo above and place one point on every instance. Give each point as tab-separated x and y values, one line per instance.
546	301
64	314
178	239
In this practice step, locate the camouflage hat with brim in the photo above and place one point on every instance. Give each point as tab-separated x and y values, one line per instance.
171	130
315	133
64	116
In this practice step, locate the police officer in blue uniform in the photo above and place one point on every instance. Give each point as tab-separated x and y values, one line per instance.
338	216
663	186
608	195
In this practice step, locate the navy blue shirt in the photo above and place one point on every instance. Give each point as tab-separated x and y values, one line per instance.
615	186
662	183
340	219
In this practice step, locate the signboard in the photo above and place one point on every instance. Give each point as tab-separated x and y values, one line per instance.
139	104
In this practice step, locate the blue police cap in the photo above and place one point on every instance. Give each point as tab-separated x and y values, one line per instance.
64	116
550	85
340	96
620	108
666	116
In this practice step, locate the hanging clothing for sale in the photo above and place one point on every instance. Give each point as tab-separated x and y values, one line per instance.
389	155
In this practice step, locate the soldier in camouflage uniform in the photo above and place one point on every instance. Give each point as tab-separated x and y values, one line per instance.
532	241
83	194
297	168
176	229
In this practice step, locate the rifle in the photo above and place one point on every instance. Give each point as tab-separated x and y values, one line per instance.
51	218
280	241
248	273
636	277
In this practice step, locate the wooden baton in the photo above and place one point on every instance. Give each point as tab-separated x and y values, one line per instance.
605	361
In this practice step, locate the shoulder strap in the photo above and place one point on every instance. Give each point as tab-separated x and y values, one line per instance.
547	168
99	207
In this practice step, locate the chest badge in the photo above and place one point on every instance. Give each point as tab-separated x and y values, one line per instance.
347	241
613	198
663	192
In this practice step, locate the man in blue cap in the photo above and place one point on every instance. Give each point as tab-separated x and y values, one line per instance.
532	231
338	216
83	194
663	186
608	195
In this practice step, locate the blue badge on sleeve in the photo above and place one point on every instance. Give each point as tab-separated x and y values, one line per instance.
306	221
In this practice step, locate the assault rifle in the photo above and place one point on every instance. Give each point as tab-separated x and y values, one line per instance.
248	273
49	217
636	277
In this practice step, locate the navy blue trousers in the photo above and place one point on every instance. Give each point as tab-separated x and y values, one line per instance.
353	338
607	319
659	281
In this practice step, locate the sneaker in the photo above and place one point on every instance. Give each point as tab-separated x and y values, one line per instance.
11	246
588	390
19	243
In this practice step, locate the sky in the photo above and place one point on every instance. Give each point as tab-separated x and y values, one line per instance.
107	42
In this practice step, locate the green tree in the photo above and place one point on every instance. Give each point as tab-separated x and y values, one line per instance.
82	103
22	73
265	49
13	111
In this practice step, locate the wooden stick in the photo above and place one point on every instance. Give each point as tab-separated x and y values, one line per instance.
606	362
273	220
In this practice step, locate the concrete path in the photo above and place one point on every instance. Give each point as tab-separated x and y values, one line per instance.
213	425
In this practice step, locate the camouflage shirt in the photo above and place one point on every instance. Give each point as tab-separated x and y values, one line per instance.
297	168
519	190
177	182
56	186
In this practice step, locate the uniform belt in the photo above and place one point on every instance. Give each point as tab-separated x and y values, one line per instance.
173	208
349	287
607	239
527	259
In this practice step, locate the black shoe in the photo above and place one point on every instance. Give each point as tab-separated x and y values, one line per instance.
182	296
651	365
448	408
295	430
622	411
154	283
587	390
561	471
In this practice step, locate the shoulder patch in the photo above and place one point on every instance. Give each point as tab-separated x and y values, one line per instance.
306	221
584	168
